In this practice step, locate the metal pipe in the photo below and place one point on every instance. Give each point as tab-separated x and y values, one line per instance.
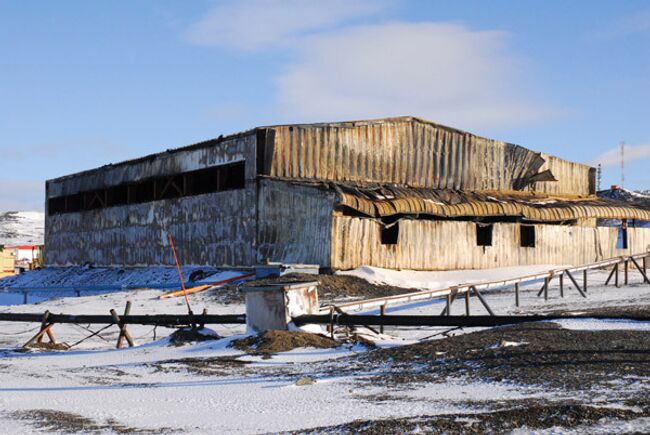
147	319
464	321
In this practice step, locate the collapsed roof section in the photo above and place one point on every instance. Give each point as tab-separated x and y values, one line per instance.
389	200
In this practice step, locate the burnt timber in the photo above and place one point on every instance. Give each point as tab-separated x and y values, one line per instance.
396	192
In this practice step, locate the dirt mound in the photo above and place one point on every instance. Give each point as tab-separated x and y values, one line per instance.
526	416
331	288
533	354
271	342
191	335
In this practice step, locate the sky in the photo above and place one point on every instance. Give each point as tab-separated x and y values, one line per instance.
83	84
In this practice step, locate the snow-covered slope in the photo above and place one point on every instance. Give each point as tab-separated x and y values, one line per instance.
22	228
623	194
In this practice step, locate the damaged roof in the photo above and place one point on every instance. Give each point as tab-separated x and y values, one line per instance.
389	200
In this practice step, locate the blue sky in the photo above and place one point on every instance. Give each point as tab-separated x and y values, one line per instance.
84	83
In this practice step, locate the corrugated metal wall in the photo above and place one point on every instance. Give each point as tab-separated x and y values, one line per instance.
444	245
211	229
412	152
211	154
294	223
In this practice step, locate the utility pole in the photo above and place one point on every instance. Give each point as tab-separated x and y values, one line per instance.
622	164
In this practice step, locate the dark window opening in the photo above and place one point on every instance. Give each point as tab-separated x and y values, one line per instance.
232	177
390	233
74	202
621	240
215	179
169	188
527	236
117	195
143	191
484	235
56	205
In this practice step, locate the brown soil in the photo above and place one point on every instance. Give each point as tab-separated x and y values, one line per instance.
215	366
66	422
271	342
184	336
331	288
530	415
548	356
48	346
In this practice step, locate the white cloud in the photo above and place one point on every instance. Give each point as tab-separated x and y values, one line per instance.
257	24
444	72
633	153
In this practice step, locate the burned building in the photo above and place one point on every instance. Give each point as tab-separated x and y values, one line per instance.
396	193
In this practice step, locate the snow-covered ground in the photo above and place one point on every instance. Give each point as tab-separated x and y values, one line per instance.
22	228
425	280
154	387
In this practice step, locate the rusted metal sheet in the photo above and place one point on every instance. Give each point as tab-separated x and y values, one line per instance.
294	223
413	152
382	201
445	245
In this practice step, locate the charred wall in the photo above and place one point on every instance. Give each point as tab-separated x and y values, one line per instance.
216	228
294	223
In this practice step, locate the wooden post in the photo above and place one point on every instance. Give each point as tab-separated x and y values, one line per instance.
331	325
611	274
453	292
584	280
575	283
517	294
205	313
124	333
467	295
46	314
382	312
616	275
562	285
46	328
546	289
640	269
482	300
626	268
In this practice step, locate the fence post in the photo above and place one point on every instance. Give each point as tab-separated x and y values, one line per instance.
626	268
584	280
517	294
546	280
562	285
382	312
467	302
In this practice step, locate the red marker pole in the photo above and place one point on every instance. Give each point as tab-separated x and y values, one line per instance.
180	275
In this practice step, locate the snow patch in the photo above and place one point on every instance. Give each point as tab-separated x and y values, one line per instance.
603	325
432	280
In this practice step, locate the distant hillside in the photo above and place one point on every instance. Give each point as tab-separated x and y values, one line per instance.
21	228
641	197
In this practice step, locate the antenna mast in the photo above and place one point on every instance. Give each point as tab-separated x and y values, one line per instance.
599	176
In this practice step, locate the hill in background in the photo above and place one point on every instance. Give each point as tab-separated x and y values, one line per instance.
22	228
